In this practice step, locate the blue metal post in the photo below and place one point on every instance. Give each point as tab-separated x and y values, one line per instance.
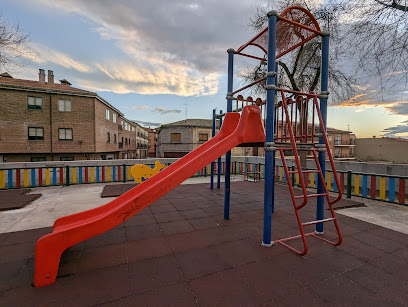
212	163
270	114
323	110
219	160
228	154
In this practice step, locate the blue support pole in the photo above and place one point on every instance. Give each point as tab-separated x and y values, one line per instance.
228	154
219	160
323	110
212	163
269	144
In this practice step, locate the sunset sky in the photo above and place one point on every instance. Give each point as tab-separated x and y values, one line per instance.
158	61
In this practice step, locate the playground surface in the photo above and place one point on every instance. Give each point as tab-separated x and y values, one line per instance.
180	251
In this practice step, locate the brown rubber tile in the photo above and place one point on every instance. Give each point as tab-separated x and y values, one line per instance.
180	251
149	248
114	190
223	289
142	232
173	295
199	262
176	227
16	199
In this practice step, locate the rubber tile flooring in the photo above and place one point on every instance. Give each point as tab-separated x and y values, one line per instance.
16	199
181	252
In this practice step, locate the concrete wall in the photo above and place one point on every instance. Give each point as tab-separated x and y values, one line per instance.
382	149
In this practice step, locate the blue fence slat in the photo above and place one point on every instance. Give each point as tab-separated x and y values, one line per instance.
97	174
284	176
33	177
10	178
365	180
54	176
80	174
114	173
391	189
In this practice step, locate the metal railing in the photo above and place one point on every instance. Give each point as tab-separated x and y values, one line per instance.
387	188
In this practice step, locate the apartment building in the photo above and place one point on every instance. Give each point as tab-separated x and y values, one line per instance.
341	143
179	138
153	142
46	121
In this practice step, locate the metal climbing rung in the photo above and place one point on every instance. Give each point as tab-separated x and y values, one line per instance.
311	195
293	126
318	221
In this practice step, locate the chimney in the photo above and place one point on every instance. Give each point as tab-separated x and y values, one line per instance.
41	76
50	77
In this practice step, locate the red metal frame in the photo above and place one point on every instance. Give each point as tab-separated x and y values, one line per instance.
287	135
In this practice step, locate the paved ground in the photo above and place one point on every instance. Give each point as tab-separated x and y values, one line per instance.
179	251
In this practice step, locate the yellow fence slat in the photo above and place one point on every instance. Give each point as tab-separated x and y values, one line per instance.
280	173
312	180
329	180
297	178
129	175
26	177
92	174
74	175
1	179
356	184
47	176
382	187
109	174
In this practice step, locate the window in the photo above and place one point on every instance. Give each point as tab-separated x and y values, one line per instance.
37	159
175	137
338	152
68	158
107	114
126	126
64	105
108	139
203	137
35	102
125	141
337	140
114	117
330	138
121	123
114	138
65	134
133	129
35	133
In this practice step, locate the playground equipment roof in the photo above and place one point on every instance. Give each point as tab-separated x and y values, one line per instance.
296	26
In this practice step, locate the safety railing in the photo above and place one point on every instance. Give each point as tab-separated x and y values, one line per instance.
33	177
386	188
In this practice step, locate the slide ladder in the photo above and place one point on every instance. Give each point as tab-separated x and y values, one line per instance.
297	130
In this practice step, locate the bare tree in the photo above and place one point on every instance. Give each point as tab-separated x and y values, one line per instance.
377	38
12	40
372	35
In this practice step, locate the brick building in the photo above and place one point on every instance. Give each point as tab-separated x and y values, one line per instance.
46	121
153	142
179	138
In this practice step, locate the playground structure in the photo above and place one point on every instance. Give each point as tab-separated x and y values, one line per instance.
247	127
294	122
141	172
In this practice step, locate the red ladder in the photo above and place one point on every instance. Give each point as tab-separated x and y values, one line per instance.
303	139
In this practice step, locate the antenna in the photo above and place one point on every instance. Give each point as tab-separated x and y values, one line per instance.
186	104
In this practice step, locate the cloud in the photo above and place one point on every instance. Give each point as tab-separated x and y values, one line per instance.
140	108
40	54
167	47
164	111
397	131
148	124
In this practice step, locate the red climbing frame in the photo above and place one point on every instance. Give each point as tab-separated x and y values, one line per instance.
297	121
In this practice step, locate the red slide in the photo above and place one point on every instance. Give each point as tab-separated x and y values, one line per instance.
75	228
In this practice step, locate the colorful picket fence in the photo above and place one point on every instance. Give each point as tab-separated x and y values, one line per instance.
373	186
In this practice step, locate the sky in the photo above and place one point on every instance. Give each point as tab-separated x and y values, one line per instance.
162	61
